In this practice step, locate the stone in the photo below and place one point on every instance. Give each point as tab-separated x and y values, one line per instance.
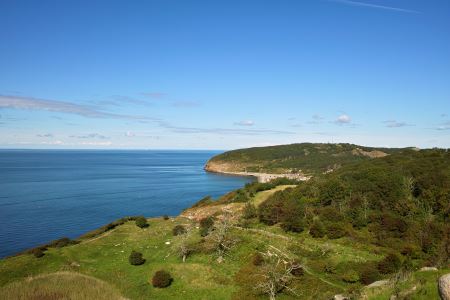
340	297
444	287
426	269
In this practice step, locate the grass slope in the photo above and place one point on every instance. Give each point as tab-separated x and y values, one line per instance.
105	258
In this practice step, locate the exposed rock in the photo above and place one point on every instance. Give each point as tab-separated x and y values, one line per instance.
371	154
444	287
340	297
378	283
425	269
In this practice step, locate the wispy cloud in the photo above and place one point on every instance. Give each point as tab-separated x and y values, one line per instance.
221	131
120	99
375	6
91	136
154	95
46	135
443	126
30	103
186	104
316	119
245	123
396	124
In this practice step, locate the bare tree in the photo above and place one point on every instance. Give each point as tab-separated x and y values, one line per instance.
221	237
183	246
276	273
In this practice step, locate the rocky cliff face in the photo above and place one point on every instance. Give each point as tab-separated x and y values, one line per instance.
223	167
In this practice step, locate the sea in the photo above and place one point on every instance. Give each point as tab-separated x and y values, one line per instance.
50	194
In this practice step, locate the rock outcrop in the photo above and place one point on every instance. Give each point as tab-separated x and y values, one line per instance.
444	287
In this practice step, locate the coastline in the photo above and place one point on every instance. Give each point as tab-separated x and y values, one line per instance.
260	177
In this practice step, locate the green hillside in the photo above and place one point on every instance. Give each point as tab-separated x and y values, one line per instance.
376	219
306	157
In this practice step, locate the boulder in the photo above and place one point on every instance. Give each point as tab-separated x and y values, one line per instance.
340	297
426	269
444	287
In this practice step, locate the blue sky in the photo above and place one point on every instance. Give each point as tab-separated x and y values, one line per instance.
224	74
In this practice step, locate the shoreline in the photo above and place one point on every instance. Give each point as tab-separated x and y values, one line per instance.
261	177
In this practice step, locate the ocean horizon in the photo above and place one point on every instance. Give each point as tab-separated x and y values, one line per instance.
49	194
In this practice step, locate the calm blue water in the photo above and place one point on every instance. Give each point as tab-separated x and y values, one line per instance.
45	194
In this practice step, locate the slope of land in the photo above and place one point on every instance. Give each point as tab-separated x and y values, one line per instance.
376	219
299	159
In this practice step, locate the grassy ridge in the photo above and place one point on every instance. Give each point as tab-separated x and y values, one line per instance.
308	157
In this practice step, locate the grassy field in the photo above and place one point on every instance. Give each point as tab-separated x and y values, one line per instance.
98	268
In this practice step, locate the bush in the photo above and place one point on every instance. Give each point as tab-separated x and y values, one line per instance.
37	252
63	242
179	230
166	217
350	276
369	274
136	258
298	269
317	230
335	231
161	279
390	264
249	211
141	222
258	259
206	225
330	268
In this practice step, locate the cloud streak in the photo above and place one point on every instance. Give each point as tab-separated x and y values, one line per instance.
375	6
245	123
222	131
91	136
36	104
396	124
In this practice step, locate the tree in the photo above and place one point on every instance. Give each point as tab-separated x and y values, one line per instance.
221	237
206	225
136	258
276	273
182	245
141	222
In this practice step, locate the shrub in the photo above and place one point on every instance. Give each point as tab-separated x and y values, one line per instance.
206	225
335	231
141	222
136	258
249	211
330	268
166	217
390	264
350	276
37	252
317	230
162	279
292	223
369	274
179	230
258	259
203	202
298	269
63	242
